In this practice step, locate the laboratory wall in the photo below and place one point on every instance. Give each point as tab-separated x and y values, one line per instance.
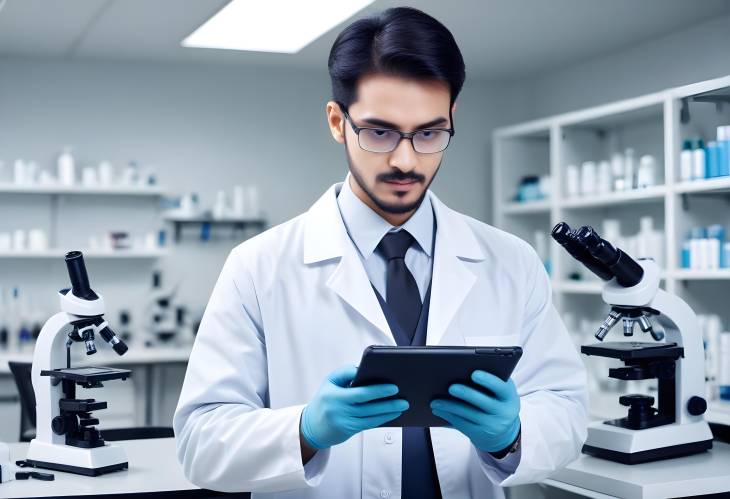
200	129
698	52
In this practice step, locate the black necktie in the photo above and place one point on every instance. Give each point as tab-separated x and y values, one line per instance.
402	294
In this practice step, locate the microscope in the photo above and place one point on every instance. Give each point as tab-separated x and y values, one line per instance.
675	426
66	437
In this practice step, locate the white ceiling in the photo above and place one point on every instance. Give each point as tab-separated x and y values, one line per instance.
500	39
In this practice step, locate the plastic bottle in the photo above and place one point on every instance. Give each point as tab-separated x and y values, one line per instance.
712	160
604	177
726	255
66	168
572	181
617	171
629	169
646	175
723	141
19	172
698	160
686	254
588	178
685	161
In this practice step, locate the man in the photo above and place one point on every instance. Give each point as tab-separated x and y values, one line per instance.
266	405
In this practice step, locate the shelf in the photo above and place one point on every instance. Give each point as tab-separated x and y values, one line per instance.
690	275
714	185
649	194
8	188
235	222
515	208
218	221
55	253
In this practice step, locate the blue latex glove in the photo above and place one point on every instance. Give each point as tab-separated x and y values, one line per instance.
339	411
490	417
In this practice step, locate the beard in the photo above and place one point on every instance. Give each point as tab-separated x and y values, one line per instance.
395	209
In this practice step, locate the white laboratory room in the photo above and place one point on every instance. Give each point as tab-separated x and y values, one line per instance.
365	249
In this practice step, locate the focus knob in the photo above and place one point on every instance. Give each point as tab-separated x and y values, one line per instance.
58	425
696	405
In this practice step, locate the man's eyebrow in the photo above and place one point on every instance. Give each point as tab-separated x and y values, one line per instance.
387	124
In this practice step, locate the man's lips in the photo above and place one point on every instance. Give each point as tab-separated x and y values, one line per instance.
402	182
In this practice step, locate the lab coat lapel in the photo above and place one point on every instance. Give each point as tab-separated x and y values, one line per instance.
326	238
452	280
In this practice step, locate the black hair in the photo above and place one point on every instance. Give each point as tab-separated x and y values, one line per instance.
401	41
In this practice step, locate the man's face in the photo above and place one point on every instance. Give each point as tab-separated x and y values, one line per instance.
392	182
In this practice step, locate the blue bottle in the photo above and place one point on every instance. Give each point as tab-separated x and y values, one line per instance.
712	160
685	254
723	140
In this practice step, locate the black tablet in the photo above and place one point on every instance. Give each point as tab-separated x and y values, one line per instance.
425	373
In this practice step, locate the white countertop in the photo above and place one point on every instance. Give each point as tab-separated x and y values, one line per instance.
106	357
699	474
153	467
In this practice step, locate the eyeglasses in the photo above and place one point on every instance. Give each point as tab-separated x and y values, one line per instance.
427	141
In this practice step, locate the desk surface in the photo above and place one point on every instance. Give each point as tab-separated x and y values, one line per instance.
153	467
705	473
105	357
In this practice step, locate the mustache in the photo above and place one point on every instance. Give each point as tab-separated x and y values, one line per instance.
400	177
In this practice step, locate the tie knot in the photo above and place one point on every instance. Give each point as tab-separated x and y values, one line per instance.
395	244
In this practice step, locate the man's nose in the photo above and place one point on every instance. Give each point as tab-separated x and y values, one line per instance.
404	157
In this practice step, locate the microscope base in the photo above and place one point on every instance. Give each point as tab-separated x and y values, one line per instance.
652	444
89	462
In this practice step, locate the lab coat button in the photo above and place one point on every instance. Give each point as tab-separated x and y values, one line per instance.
385	494
388	438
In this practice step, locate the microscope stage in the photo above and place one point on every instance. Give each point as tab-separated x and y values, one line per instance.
88	374
628	350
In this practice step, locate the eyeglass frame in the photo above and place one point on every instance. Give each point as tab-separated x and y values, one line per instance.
403	135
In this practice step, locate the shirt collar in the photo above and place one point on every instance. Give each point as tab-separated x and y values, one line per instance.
366	228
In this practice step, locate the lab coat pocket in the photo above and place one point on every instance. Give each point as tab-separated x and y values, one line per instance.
494	340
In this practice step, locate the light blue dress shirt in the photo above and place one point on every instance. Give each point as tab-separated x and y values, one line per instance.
366	229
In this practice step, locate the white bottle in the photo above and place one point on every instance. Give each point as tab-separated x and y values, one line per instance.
239	201
66	168
220	209
629	169
646	175
572	181
617	172
604	177
588	178
698	161
19	172
685	162
106	173
253	209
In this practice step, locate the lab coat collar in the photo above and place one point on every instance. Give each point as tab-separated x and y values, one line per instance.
325	238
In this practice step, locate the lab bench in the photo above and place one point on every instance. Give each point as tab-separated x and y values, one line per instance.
153	472
690	476
150	399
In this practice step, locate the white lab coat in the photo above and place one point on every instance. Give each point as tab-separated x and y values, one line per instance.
294	303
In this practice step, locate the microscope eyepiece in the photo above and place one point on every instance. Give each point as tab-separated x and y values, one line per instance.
627	271
568	240
80	286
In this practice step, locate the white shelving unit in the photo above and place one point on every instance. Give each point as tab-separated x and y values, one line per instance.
652	124
7	188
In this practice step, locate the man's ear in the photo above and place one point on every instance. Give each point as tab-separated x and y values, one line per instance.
336	121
